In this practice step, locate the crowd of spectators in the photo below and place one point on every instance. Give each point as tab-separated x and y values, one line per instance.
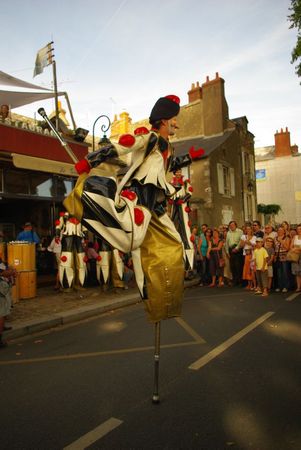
259	259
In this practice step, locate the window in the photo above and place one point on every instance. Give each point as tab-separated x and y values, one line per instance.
248	166
226	181
36	184
16	182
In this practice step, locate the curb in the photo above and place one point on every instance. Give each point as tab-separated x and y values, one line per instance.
75	315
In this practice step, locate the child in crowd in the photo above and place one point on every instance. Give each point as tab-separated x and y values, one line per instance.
261	257
269	246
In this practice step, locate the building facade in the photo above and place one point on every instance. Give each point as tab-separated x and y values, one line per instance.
278	180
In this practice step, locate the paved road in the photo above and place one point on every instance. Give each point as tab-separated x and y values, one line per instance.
229	378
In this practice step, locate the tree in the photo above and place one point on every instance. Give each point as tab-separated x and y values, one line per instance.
295	20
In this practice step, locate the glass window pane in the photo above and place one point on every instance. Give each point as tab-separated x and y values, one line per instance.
68	186
16	182
41	185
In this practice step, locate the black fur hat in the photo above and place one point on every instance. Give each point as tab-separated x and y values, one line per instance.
165	108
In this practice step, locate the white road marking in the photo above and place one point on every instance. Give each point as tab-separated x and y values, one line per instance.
190	330
232	340
94	435
292	297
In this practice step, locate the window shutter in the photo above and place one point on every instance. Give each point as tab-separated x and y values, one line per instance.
220	178
232	182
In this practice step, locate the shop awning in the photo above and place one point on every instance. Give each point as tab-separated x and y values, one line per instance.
43	165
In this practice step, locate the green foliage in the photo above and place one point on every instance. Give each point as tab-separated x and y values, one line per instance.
268	209
295	20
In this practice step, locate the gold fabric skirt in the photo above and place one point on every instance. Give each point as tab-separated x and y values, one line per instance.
163	267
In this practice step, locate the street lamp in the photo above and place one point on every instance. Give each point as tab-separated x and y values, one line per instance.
104	128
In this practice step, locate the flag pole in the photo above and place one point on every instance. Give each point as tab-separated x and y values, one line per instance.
55	95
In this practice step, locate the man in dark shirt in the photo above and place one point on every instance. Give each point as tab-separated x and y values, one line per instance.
258	232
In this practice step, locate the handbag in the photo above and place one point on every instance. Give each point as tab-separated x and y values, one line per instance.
292	256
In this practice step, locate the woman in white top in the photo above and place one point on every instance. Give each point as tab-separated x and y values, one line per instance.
296	266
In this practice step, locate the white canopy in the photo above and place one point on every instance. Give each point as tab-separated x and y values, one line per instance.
29	94
9	80
17	98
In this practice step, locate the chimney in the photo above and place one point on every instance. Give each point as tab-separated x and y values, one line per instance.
195	92
214	106
294	149
282	143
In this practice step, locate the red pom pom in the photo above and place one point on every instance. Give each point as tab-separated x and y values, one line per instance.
190	189
64	258
187	209
85	259
180	202
99	258
62	213
194	154
74	220
174	98
57	223
192	238
141	130
82	166
139	216
127	140
170	201
128	194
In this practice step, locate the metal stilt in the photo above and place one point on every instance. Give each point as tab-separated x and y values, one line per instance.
156	398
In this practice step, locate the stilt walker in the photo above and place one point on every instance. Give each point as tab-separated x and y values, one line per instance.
180	209
73	267
131	214
109	266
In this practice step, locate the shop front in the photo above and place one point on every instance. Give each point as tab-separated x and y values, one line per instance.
35	177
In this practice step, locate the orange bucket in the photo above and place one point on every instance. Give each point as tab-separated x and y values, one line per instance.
21	256
15	290
27	284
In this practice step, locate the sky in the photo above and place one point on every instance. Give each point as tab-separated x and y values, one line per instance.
122	55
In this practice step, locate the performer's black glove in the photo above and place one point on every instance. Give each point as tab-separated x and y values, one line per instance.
96	158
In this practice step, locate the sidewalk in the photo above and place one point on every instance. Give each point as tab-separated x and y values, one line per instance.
51	308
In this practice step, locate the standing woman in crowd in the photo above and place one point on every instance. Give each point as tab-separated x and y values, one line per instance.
286	227
203	249
247	243
296	266
227	269
282	245
215	257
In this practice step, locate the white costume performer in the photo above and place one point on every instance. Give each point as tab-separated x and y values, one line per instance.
72	267
180	214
